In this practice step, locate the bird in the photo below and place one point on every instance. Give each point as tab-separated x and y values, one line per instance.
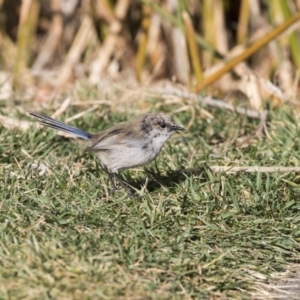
125	145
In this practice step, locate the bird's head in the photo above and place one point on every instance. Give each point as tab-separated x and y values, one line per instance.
158	126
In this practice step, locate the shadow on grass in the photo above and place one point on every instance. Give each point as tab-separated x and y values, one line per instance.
170	180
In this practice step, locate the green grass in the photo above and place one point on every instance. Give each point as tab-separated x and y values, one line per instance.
63	235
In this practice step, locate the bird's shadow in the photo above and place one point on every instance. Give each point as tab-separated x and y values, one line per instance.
156	180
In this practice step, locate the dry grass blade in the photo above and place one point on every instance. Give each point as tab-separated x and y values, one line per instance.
209	29
252	91
26	29
156	49
143	42
81	114
244	16
8	50
254	169
221	34
107	49
178	40
82	38
53	39
190	35
62	108
293	39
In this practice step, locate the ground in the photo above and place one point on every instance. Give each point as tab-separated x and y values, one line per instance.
192	233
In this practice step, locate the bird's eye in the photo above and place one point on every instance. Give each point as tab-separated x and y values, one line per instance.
162	125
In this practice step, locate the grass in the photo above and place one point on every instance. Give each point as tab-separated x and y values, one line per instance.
63	235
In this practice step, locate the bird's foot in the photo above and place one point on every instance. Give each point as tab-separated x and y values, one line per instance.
130	192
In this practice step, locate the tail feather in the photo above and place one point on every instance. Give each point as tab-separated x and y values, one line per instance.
47	121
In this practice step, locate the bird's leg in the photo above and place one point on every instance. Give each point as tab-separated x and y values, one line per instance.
111	178
122	183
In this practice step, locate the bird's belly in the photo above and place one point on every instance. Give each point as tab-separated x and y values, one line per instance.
122	158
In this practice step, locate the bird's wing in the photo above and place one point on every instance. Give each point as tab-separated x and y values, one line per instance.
120	135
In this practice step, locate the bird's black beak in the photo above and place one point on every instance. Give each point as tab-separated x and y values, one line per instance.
176	128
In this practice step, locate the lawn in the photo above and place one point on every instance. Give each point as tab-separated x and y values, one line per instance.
192	233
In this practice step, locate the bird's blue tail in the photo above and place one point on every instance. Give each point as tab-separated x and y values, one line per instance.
62	126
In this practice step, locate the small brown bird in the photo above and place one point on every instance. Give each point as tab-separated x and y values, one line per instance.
125	145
